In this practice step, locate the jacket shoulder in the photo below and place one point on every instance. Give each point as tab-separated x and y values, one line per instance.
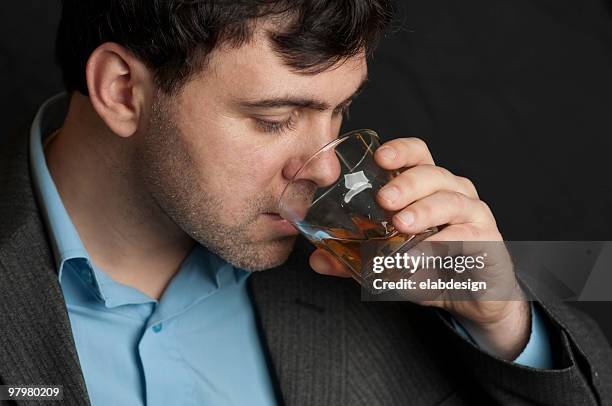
17	202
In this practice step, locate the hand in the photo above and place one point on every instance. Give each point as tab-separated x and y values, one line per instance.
425	195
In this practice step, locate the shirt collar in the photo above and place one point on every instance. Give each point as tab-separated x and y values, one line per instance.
65	240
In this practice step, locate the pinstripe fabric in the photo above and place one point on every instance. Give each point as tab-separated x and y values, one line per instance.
36	345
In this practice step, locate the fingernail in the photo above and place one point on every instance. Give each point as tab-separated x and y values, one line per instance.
389	193
406	217
387	153
319	264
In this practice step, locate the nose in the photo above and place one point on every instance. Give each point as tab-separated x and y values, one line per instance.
323	168
320	166
321	171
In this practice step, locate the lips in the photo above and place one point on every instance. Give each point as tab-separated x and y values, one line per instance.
272	213
284	226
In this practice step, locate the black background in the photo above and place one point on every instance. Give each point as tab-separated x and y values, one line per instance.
514	94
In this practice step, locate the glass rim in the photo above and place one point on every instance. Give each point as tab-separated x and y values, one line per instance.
332	144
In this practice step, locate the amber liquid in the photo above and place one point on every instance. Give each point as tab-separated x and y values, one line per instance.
357	249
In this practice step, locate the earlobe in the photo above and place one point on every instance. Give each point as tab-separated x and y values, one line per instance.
117	81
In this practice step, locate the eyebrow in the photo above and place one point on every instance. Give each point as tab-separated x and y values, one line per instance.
302	102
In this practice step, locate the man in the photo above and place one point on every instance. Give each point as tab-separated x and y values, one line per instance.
140	228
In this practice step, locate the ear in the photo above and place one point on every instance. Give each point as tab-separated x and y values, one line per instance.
120	87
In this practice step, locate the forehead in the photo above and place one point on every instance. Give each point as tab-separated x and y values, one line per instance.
255	68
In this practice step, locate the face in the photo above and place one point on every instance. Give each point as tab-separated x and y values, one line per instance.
217	156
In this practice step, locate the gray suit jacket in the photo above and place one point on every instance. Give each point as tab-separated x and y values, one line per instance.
324	346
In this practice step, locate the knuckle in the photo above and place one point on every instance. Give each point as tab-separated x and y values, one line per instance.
467	184
414	142
438	171
446	175
457	200
424	211
484	206
409	183
443	171
486	209
419	142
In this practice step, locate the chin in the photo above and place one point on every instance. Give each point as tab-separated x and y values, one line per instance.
264	255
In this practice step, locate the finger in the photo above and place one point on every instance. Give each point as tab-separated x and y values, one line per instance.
325	263
402	153
421	181
440	208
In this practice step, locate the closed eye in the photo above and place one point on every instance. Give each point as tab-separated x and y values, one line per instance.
276	127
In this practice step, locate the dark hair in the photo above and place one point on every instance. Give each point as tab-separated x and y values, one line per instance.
173	37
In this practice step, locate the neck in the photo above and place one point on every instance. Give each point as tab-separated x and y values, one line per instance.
125	232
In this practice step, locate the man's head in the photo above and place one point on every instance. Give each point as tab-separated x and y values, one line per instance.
220	102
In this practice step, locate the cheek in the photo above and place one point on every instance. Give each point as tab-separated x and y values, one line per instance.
238	174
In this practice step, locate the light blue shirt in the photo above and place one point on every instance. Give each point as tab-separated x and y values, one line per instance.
197	345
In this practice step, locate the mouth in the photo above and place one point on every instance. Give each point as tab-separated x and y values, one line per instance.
279	223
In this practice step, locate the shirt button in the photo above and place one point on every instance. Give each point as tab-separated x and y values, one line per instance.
157	328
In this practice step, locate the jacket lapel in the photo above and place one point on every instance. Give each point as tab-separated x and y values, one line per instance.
302	317
36	344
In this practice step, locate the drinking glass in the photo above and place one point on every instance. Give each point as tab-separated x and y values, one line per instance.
331	200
